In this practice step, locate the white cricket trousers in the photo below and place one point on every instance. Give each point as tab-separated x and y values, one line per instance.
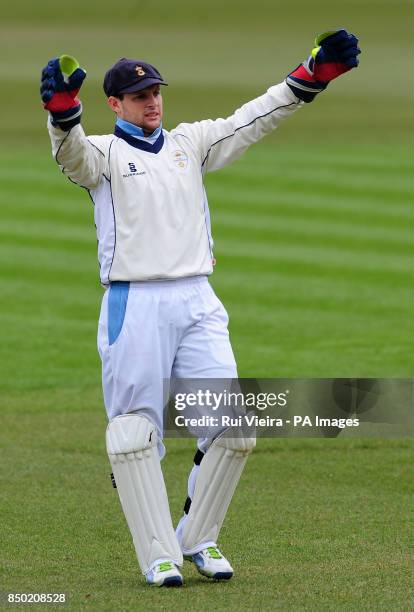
155	330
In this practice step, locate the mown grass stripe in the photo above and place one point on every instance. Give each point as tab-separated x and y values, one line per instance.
303	270
322	204
314	228
325	183
341	257
289	234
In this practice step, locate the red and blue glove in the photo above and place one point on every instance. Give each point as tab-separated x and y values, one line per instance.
61	80
334	53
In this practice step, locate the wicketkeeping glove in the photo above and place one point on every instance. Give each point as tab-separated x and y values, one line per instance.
61	80
334	53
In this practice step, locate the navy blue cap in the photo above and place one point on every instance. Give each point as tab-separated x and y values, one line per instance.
127	76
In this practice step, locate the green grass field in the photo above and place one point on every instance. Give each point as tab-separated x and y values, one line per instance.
314	241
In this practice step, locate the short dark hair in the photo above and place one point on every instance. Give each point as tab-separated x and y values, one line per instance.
119	96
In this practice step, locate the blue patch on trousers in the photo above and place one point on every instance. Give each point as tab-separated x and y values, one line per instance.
117	303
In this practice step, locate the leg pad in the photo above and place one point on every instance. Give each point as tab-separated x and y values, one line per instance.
219	473
131	442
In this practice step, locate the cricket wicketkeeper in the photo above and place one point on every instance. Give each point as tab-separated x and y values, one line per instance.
160	318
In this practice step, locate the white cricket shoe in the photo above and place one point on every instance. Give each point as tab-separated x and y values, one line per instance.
211	563
164	574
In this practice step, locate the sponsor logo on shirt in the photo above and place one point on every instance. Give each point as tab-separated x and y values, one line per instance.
132	171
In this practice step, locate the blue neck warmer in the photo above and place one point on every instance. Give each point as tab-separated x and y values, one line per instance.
137	132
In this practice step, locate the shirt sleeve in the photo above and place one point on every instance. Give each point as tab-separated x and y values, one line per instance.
220	142
83	159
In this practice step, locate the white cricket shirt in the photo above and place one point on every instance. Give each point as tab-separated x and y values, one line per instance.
151	211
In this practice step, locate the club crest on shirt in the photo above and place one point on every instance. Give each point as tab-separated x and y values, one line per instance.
180	159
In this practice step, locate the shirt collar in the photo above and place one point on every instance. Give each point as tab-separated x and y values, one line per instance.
134	130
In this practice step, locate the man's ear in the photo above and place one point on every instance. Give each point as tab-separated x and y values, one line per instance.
114	104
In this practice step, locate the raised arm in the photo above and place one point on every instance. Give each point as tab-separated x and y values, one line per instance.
82	161
222	141
225	140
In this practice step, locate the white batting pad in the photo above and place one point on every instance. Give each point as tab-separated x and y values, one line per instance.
131	442
219	473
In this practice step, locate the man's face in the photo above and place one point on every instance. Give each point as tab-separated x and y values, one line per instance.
142	108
